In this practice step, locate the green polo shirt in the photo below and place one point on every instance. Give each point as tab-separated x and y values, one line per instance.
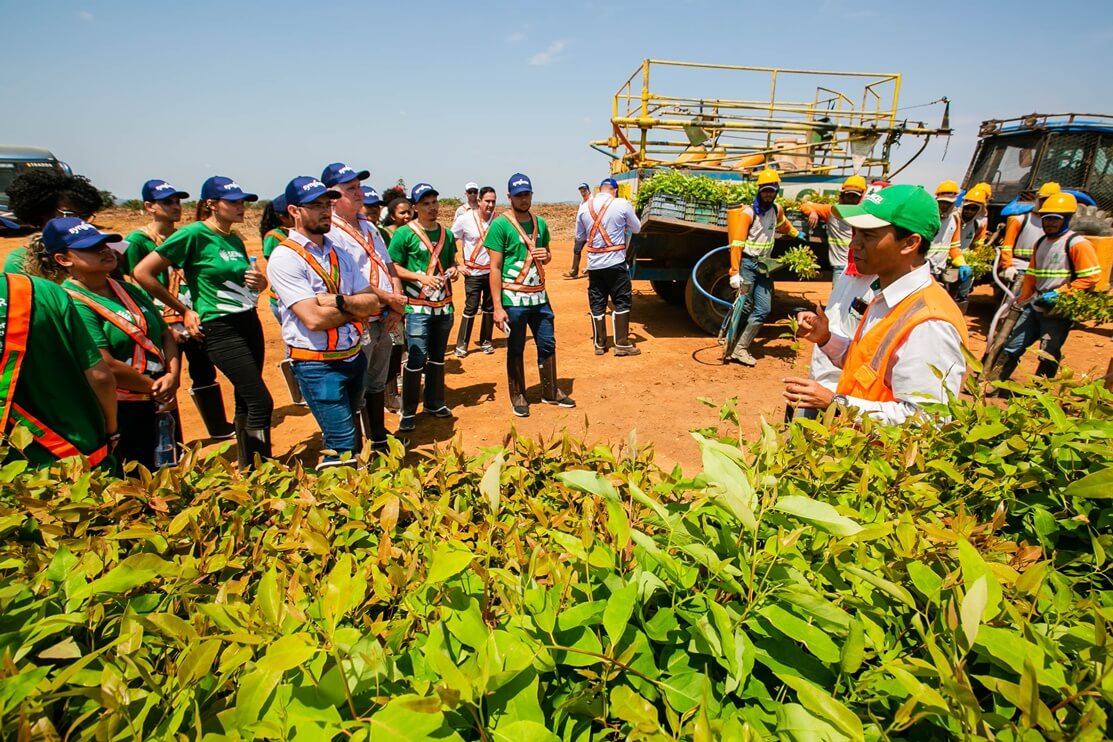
407	250
503	238
214	266
140	245
52	386
14	262
107	335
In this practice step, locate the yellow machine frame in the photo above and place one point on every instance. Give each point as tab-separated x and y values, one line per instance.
831	134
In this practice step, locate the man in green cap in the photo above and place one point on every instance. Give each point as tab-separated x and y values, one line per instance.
908	348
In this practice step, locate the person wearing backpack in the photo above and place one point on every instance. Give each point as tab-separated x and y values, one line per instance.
1062	261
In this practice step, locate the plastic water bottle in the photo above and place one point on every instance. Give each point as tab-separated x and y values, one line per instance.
166	447
254	293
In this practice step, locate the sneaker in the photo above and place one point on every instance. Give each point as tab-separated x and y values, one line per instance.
569	274
487	348
626	350
460	352
600	351
566	402
521	410
442	411
743	356
407	423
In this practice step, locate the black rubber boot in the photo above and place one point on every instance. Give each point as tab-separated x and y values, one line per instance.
257	442
463	337
516	382
486	332
599	334
1047	368
411	393
550	392
575	272
393	398
374	419
209	402
622	344
241	441
434	390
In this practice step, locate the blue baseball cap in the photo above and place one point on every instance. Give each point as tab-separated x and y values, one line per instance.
224	189
338	173
71	233
371	197
422	189
278	203
583	187
159	190
306	189
519	183
609	182
8	224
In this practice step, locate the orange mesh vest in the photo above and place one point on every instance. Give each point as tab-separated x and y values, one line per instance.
870	354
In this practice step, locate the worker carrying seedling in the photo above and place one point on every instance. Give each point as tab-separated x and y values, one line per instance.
838	231
603	223
1062	261
946	246
908	347
751	240
971	237
1022	232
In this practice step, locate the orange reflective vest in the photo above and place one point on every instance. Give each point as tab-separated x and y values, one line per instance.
17	331
530	240
870	355
332	283
378	276
609	245
434	268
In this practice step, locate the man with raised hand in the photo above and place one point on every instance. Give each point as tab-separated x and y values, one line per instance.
424	255
471	200
323	298
603	223
578	245
469	229
518	243
908	346
357	235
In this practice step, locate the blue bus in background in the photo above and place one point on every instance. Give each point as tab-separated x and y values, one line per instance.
16	160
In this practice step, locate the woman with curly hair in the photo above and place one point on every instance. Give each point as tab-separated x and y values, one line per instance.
37	197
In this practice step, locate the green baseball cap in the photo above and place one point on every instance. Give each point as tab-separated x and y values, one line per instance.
907	206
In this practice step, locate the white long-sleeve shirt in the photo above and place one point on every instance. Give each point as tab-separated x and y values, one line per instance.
842	321
933	345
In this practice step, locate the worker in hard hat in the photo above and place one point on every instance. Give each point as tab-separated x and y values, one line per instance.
972	231
945	250
1022	232
751	239
1062	261
838	231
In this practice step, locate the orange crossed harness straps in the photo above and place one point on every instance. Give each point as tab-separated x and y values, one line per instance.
332	283
278	236
381	274
597	229
531	244
144	350
433	267
17	329
472	260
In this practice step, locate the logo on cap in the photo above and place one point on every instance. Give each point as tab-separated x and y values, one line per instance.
163	187
312	184
81	228
233	186
875	198
519	181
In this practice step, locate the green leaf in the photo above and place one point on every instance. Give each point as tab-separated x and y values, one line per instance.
620	606
449	559
288	652
853	649
731	485
489	484
973	605
523	731
132	572
820	702
891	589
634	710
797	629
1096	486
797	724
589	482
267	598
255	688
985	432
817	513
14	689
197	661
408	718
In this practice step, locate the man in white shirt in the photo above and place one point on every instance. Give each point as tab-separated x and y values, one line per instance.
322	298
469	229
471	198
910	331
578	245
353	233
603	223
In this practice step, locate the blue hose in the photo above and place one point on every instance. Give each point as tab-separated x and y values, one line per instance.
714	299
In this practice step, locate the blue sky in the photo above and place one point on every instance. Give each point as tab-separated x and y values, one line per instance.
450	92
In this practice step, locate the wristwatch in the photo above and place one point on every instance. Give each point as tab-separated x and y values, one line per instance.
340	302
840	400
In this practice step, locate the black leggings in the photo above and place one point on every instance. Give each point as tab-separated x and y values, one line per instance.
236	347
202	372
477	293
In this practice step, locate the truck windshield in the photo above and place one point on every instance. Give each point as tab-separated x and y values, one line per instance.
1006	164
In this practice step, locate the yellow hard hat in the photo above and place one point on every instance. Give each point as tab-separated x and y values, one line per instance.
1049	188
976	195
854	183
983	186
947	190
768	177
1059	203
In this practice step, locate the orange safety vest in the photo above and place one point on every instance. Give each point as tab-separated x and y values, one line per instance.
144	349
332	283
433	267
597	229
470	261
17	332
278	236
531	245
870	355
175	278
378	266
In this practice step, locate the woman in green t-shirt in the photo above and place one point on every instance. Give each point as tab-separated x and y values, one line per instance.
274	226
131	335
225	288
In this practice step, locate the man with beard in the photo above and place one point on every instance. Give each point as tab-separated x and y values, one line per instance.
322	299
469	229
358	236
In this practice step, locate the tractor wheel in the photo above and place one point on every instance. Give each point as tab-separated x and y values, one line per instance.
672	292
714	276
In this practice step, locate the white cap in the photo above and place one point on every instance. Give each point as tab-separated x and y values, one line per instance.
471	185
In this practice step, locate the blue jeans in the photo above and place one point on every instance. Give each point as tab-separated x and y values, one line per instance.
1032	326
334	391
761	292
539	319
426	338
